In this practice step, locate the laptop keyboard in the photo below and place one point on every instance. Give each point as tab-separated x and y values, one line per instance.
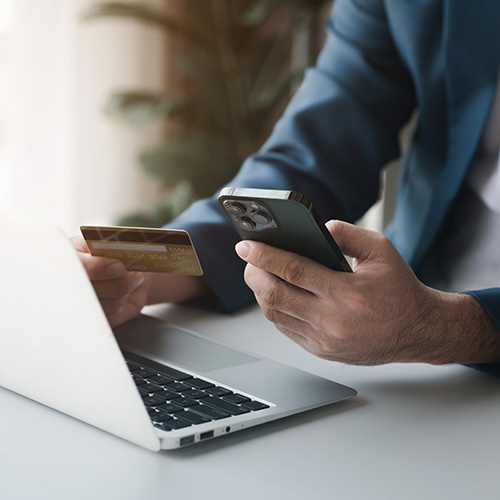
175	399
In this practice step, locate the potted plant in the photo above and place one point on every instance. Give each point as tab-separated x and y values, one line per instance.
231	75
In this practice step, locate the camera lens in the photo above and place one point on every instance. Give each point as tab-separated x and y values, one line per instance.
260	217
234	208
245	223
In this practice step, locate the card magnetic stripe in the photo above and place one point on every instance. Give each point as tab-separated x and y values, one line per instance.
180	238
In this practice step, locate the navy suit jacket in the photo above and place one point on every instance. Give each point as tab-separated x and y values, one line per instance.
383	60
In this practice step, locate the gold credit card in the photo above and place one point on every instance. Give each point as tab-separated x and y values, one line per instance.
144	249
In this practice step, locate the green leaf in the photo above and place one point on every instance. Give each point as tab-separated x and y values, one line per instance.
271	95
174	201
171	203
198	158
138	108
257	13
139	219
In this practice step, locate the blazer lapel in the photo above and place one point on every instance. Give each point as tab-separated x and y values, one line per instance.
472	63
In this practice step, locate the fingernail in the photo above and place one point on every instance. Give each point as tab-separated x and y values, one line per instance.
243	249
116	269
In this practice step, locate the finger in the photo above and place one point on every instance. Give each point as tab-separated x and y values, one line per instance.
275	295
292	310
355	241
102	268
97	268
113	306
309	343
120	287
125	309
294	269
80	244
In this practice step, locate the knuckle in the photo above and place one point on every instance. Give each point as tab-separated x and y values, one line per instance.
293	271
384	242
111	307
272	315
267	313
272	295
123	287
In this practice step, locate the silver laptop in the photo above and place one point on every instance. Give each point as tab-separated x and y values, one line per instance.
149	382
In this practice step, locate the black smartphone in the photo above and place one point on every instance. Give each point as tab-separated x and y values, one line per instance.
283	219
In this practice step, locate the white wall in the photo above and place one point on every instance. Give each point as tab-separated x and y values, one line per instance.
114	54
60	158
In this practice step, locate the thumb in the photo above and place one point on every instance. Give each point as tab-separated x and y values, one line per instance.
354	241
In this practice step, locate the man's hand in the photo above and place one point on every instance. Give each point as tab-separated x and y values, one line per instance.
122	293
379	314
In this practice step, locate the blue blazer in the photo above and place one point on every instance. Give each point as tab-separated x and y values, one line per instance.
383	60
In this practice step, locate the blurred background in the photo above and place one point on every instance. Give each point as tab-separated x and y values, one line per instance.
125	112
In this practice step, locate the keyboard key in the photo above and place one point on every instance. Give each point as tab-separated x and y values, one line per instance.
210	412
143	372
218	391
197	394
136	363
151	388
199	383
178	387
160	416
154	399
138	380
175	423
161	380
169	395
225	406
236	398
192	418
173	373
170	407
186	402
254	405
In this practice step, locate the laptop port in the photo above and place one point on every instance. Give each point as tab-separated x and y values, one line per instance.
187	440
206	435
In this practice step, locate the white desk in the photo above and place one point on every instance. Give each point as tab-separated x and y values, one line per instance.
413	432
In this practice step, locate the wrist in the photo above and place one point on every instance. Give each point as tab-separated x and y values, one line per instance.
467	333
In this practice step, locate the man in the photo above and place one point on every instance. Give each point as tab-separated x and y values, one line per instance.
383	60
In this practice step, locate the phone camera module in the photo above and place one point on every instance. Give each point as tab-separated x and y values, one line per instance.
245	223
261	218
234	208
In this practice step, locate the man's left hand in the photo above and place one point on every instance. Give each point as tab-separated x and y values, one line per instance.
380	313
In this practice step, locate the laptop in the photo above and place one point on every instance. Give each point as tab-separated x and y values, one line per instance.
150	382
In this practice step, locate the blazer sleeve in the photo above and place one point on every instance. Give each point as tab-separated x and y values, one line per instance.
334	138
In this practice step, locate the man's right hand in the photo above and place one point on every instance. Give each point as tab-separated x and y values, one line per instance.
122	293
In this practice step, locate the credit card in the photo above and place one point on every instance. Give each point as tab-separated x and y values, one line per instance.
144	249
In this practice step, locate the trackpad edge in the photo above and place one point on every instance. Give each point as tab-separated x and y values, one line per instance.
178	346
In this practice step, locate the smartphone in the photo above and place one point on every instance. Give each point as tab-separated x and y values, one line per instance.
283	219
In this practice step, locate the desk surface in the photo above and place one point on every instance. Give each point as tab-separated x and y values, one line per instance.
413	432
